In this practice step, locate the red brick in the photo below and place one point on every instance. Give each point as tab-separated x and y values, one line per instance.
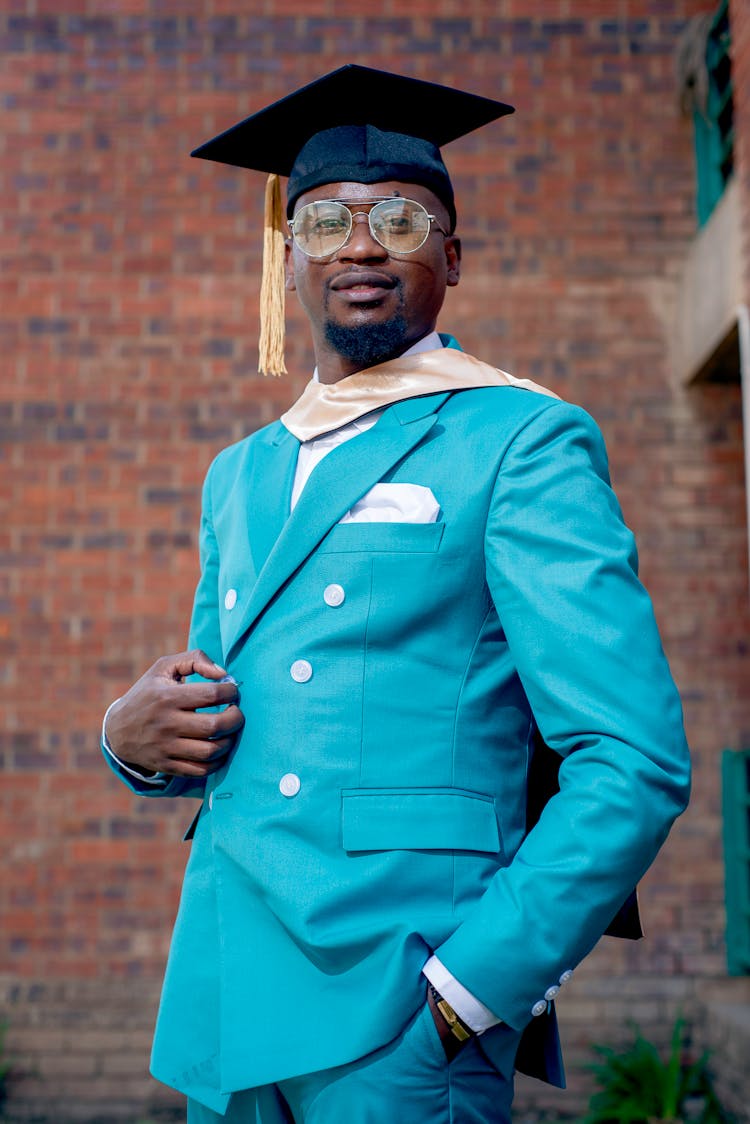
121	260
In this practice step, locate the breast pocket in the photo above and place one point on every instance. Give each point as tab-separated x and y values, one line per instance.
375	538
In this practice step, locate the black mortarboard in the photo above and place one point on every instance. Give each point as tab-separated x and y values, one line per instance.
355	124
333	130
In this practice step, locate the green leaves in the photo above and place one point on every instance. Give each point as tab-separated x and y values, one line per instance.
4	1065
639	1087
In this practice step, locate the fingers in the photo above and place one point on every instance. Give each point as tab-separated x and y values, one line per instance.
199	751
178	734
195	758
172	670
184	756
195	696
165	681
162	725
194	662
211	727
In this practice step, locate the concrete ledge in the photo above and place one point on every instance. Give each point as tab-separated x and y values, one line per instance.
710	290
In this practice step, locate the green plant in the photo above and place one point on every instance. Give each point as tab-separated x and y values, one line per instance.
4	1065
639	1087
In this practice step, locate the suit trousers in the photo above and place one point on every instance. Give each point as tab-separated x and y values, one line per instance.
409	1080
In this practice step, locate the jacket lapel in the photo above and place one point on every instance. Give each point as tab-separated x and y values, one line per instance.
336	483
270	491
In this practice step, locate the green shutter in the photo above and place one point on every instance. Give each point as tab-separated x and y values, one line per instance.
735	768
714	129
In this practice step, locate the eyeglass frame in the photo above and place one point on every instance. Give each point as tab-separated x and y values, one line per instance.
372	204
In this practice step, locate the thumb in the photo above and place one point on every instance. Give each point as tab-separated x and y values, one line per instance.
194	662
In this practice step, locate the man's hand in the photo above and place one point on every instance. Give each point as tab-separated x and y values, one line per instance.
451	1044
155	728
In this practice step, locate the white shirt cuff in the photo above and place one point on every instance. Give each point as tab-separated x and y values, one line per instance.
469	1009
153	778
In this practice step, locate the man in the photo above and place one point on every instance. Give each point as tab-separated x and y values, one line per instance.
421	580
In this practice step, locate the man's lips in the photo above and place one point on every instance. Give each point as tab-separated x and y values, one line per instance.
361	286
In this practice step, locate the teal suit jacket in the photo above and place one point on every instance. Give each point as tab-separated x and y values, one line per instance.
305	921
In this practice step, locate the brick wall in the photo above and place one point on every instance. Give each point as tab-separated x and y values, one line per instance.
128	292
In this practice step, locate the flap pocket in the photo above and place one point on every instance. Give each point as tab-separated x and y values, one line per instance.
434	819
373	537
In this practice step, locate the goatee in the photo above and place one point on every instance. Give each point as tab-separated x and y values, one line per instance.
368	344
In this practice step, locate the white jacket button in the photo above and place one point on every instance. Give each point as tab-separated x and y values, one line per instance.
334	595
230	599
539	1008
301	671
290	784
567	975
552	992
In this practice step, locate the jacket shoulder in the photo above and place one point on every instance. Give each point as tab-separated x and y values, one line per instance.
232	456
515	408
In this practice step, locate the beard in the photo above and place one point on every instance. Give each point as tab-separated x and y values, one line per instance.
368	344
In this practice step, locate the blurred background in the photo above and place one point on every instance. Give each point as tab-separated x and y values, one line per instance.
605	232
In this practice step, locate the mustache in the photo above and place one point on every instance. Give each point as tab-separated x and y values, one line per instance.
359	275
348	278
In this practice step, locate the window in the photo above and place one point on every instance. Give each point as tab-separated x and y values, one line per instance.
705	72
712	286
736	801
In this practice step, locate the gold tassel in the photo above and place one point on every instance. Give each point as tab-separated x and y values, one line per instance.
271	344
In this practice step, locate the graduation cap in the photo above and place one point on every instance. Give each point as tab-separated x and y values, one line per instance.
355	124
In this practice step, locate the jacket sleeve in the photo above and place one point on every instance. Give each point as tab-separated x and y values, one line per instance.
204	634
561	568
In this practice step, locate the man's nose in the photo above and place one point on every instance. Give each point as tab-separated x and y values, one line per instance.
361	244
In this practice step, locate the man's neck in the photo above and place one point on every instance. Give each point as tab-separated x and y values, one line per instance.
333	368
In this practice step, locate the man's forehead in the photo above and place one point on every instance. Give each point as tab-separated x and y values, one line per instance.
355	192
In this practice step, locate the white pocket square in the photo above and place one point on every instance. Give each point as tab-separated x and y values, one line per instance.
395	503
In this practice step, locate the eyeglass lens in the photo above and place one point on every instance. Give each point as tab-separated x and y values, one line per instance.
399	225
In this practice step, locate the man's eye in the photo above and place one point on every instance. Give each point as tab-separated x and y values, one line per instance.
398	225
328	226
395	226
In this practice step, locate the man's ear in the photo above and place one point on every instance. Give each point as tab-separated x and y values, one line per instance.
289	282
453	258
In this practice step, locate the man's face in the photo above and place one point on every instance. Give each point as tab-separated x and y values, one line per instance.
366	304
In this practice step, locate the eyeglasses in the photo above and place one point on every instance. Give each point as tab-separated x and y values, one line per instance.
399	225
